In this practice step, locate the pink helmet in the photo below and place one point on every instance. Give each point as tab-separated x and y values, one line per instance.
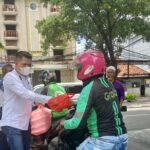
90	63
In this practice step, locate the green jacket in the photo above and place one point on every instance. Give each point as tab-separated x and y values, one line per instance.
53	89
98	109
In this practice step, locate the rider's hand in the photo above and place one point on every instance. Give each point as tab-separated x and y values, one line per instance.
62	123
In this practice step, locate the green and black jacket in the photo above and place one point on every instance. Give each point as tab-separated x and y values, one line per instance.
98	109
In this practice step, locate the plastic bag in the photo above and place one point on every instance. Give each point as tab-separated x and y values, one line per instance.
40	120
60	102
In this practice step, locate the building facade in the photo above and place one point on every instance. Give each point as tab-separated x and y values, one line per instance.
17	32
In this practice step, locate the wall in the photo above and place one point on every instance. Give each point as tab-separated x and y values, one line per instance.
67	76
137	91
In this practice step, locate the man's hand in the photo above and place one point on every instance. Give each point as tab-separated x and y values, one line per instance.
37	103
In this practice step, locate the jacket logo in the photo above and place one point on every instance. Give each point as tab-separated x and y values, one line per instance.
110	95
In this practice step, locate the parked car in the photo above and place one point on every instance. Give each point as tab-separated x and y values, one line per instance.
38	88
70	87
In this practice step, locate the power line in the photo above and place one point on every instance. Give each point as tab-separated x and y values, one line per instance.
135	53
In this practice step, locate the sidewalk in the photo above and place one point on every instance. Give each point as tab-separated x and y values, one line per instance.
139	102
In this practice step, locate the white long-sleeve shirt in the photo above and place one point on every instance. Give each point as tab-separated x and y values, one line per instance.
18	100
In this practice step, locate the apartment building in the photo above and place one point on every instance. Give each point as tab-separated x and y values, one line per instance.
17	32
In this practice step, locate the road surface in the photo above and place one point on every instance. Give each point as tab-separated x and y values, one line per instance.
138	125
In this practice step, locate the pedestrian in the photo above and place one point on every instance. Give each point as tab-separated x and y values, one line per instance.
18	101
97	106
111	76
3	141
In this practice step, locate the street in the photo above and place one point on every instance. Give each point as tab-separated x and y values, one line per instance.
138	124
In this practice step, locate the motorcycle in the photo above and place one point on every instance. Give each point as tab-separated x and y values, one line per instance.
59	139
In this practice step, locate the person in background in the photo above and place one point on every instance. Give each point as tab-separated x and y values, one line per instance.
111	76
3	141
49	80
18	101
97	106
5	69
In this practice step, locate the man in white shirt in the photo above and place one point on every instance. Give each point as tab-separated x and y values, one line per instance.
18	100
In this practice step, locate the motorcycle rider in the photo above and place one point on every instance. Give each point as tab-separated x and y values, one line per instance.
51	88
97	106
48	78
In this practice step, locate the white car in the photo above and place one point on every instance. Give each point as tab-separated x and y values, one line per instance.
38	88
70	87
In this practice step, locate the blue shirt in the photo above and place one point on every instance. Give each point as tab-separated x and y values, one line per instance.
1	85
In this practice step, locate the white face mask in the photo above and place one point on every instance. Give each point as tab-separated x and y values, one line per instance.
25	71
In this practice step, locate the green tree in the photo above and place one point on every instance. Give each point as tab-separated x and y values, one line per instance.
103	22
1	46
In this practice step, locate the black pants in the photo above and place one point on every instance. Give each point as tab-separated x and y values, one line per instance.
0	113
3	139
73	138
3	142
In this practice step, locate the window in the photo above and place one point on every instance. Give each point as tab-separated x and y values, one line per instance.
11	43
10	27
58	52
11	52
9	1
135	84
12	18
11	55
33	6
54	8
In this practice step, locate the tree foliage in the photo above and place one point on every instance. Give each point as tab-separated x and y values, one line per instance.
53	31
103	22
1	46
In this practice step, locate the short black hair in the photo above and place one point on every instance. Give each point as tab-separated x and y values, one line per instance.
21	54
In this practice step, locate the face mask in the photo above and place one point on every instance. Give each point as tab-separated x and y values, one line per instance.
25	71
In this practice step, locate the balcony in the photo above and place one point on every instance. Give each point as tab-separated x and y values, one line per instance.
9	58
10	35
10	20
9	9
54	9
11	44
11	47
